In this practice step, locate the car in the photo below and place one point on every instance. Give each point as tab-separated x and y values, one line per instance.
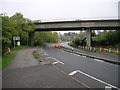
57	46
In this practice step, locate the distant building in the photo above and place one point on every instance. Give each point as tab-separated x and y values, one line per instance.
69	36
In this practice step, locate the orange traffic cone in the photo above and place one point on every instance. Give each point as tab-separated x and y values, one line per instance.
100	49
117	51
109	50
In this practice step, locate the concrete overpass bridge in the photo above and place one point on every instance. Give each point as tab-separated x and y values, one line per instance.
87	25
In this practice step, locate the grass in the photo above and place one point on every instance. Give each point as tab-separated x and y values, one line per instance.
6	59
19	48
36	55
0	62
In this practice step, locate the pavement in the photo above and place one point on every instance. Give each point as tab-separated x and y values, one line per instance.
27	72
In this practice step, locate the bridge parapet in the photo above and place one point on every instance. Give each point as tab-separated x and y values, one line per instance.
78	25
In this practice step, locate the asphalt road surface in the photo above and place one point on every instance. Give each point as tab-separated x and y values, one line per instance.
102	55
93	73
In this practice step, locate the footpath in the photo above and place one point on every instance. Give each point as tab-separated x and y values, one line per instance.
27	72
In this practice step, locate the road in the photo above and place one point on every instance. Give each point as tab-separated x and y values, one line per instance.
27	72
102	55
91	72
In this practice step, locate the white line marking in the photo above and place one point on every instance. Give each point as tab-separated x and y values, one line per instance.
97	79
70	53
57	60
44	52
72	73
84	56
98	60
47	57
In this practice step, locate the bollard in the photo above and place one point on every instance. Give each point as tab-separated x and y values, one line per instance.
108	88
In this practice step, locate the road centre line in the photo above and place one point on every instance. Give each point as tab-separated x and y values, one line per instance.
74	72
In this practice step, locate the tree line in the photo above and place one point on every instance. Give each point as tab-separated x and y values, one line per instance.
104	39
17	25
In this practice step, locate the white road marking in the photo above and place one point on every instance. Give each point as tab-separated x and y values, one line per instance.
97	79
47	57
57	60
98	60
84	56
72	73
70	53
44	52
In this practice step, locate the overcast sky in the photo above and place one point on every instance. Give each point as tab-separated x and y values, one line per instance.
53	10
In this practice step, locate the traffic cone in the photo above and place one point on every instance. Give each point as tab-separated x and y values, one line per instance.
9	51
109	50
117	51
94	50
100	49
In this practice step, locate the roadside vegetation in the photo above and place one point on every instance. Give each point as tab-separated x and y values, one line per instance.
18	25
36	55
108	39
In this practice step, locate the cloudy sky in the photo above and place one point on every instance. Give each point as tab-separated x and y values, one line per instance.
53	10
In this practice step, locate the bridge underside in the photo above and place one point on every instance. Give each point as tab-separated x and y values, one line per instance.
87	25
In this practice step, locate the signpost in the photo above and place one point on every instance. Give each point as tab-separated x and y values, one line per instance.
16	38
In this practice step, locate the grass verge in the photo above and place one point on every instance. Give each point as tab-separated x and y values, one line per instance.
6	59
19	48
36	55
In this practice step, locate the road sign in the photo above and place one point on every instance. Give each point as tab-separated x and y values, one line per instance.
16	38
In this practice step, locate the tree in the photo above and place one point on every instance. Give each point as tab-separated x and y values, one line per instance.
15	25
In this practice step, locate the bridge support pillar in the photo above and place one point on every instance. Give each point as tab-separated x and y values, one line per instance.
31	38
88	33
